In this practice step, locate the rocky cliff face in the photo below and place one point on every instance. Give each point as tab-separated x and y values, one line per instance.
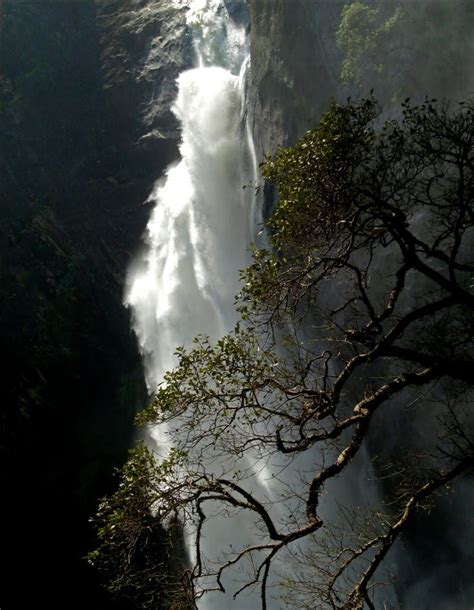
295	68
295	65
85	130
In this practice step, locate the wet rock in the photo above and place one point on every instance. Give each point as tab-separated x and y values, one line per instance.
238	11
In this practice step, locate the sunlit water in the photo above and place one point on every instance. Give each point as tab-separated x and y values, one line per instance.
198	238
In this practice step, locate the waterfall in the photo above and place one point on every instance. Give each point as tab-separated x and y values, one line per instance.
184	284
197	239
200	231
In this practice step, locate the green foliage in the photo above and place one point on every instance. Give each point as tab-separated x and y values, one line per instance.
343	185
318	181
134	549
328	340
313	177
315	180
401	48
364	34
217	372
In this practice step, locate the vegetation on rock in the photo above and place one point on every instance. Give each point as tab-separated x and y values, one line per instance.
401	48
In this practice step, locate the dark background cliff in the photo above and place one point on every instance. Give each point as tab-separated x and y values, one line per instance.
85	130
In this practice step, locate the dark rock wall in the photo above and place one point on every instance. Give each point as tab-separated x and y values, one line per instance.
295	68
85	130
296	62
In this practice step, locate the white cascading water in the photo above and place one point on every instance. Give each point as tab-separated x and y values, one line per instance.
199	235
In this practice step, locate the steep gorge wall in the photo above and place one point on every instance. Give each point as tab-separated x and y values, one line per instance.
85	130
295	68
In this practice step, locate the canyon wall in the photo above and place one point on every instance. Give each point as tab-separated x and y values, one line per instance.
85	130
